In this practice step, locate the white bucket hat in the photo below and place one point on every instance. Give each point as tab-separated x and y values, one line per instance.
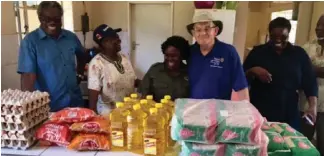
204	16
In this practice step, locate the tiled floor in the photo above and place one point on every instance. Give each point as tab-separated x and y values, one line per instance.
59	151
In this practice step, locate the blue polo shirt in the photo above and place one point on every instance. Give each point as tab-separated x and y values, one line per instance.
53	62
217	73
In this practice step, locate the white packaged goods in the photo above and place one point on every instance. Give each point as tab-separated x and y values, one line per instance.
221	149
216	121
21	113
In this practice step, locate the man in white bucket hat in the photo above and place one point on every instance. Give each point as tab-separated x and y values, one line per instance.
215	68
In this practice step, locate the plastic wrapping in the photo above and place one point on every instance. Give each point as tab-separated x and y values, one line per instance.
90	142
276	142
301	146
21	113
72	115
266	127
96	125
196	149
59	134
216	121
285	130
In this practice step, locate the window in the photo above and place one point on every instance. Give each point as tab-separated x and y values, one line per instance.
288	15
27	19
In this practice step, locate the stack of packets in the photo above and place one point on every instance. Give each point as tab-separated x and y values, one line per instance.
218	127
76	129
21	114
286	141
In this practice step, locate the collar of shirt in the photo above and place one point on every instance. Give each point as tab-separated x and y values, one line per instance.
210	54
183	68
288	47
43	35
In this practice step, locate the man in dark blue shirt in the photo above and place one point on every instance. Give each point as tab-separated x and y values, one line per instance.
215	68
276	71
47	59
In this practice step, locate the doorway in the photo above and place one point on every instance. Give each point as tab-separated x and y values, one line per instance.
150	25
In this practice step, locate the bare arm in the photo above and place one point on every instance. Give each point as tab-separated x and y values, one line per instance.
93	99
312	101
28	81
244	94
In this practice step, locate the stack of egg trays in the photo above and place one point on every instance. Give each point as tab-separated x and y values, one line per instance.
20	121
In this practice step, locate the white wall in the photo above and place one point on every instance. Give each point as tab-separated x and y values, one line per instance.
9	47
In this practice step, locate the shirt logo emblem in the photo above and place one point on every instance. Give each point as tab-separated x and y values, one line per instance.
98	36
216	62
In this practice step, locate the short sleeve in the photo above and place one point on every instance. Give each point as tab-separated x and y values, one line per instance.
27	57
239	80
309	83
95	75
145	86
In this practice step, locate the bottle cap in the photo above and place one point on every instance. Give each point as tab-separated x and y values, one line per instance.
134	95
153	110
136	107
158	105
164	101
126	99
168	97
143	101
149	97
119	104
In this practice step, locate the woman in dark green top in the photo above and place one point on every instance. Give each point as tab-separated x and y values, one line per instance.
169	77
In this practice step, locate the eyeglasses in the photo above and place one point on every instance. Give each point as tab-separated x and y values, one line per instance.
202	30
50	19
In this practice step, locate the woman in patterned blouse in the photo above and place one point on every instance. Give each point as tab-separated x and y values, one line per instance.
111	75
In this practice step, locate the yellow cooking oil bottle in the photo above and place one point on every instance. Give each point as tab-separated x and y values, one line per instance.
154	134
170	110
134	98
167	106
118	119
150	100
128	103
135	121
145	106
166	115
170	102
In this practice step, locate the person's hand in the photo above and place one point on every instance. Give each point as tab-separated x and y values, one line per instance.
79	78
262	74
311	111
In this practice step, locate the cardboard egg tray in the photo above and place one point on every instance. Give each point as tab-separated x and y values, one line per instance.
21	114
19	139
12	118
23	123
18	135
11	109
18	144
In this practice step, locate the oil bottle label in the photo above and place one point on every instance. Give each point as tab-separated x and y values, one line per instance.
150	146
116	124
117	138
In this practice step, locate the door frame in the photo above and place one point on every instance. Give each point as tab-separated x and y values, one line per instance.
129	20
